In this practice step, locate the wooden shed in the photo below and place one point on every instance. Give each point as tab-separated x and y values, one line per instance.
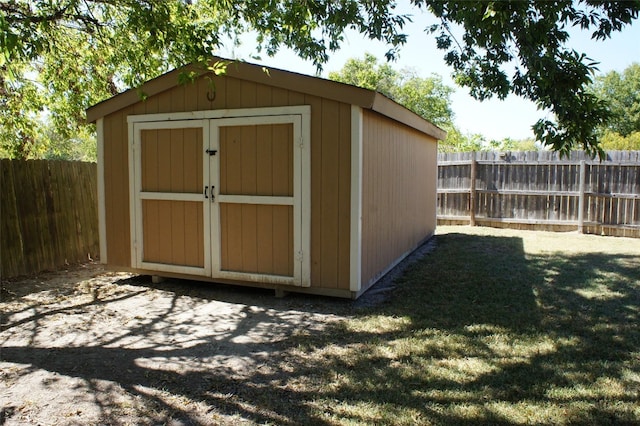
264	178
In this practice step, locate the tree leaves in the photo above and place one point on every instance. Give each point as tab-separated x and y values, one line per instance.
89	49
427	97
529	38
622	93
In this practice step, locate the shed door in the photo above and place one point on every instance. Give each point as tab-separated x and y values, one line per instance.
223	197
170	166
257	220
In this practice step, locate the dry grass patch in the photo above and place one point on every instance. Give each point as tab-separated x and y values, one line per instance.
494	326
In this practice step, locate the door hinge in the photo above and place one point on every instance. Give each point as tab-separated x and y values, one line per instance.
299	256
301	143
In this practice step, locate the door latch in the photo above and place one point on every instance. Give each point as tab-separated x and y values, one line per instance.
211	151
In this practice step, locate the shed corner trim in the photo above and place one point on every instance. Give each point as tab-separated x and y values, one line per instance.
356	200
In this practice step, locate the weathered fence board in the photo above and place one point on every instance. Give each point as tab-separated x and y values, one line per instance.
542	190
48	215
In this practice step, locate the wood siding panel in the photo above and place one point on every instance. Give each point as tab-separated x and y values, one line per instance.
257	239
398	194
248	152
330	191
116	169
264	167
256	160
171	160
281	159
282	247
173	232
330	184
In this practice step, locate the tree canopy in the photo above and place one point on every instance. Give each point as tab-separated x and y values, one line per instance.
427	97
622	92
59	56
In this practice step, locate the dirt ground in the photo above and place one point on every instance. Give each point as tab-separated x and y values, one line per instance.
85	346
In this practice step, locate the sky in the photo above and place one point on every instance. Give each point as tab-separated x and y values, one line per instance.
494	119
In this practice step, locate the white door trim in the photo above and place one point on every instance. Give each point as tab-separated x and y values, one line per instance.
356	200
135	187
299	116
301	188
102	209
304	110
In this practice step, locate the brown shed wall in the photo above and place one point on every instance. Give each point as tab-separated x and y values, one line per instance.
330	167
399	174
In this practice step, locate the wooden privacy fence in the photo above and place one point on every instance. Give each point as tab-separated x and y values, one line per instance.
48	215
539	190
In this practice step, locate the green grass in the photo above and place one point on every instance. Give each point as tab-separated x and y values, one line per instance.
494	326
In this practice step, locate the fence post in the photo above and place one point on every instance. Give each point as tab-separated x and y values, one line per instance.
583	176
472	190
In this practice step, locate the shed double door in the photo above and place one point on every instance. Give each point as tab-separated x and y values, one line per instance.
219	198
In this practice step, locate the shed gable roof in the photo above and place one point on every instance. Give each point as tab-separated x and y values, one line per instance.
315	86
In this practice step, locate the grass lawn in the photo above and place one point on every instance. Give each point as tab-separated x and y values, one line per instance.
494	326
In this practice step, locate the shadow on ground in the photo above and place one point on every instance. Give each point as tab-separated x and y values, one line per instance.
476	332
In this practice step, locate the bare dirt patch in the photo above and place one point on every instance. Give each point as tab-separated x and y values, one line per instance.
85	346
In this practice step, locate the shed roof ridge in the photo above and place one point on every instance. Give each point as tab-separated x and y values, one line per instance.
276	77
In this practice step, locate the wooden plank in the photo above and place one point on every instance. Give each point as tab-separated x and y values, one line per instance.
149	160
230	160
248	141
516	192
264	96
264	165
282	251
11	245
233	93
193	234
248	94
120	167
178	241
265	239
178	165
330	188
581	197
472	191
282	160
193	150
249	256
165	161
231	229
151	231
165	246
